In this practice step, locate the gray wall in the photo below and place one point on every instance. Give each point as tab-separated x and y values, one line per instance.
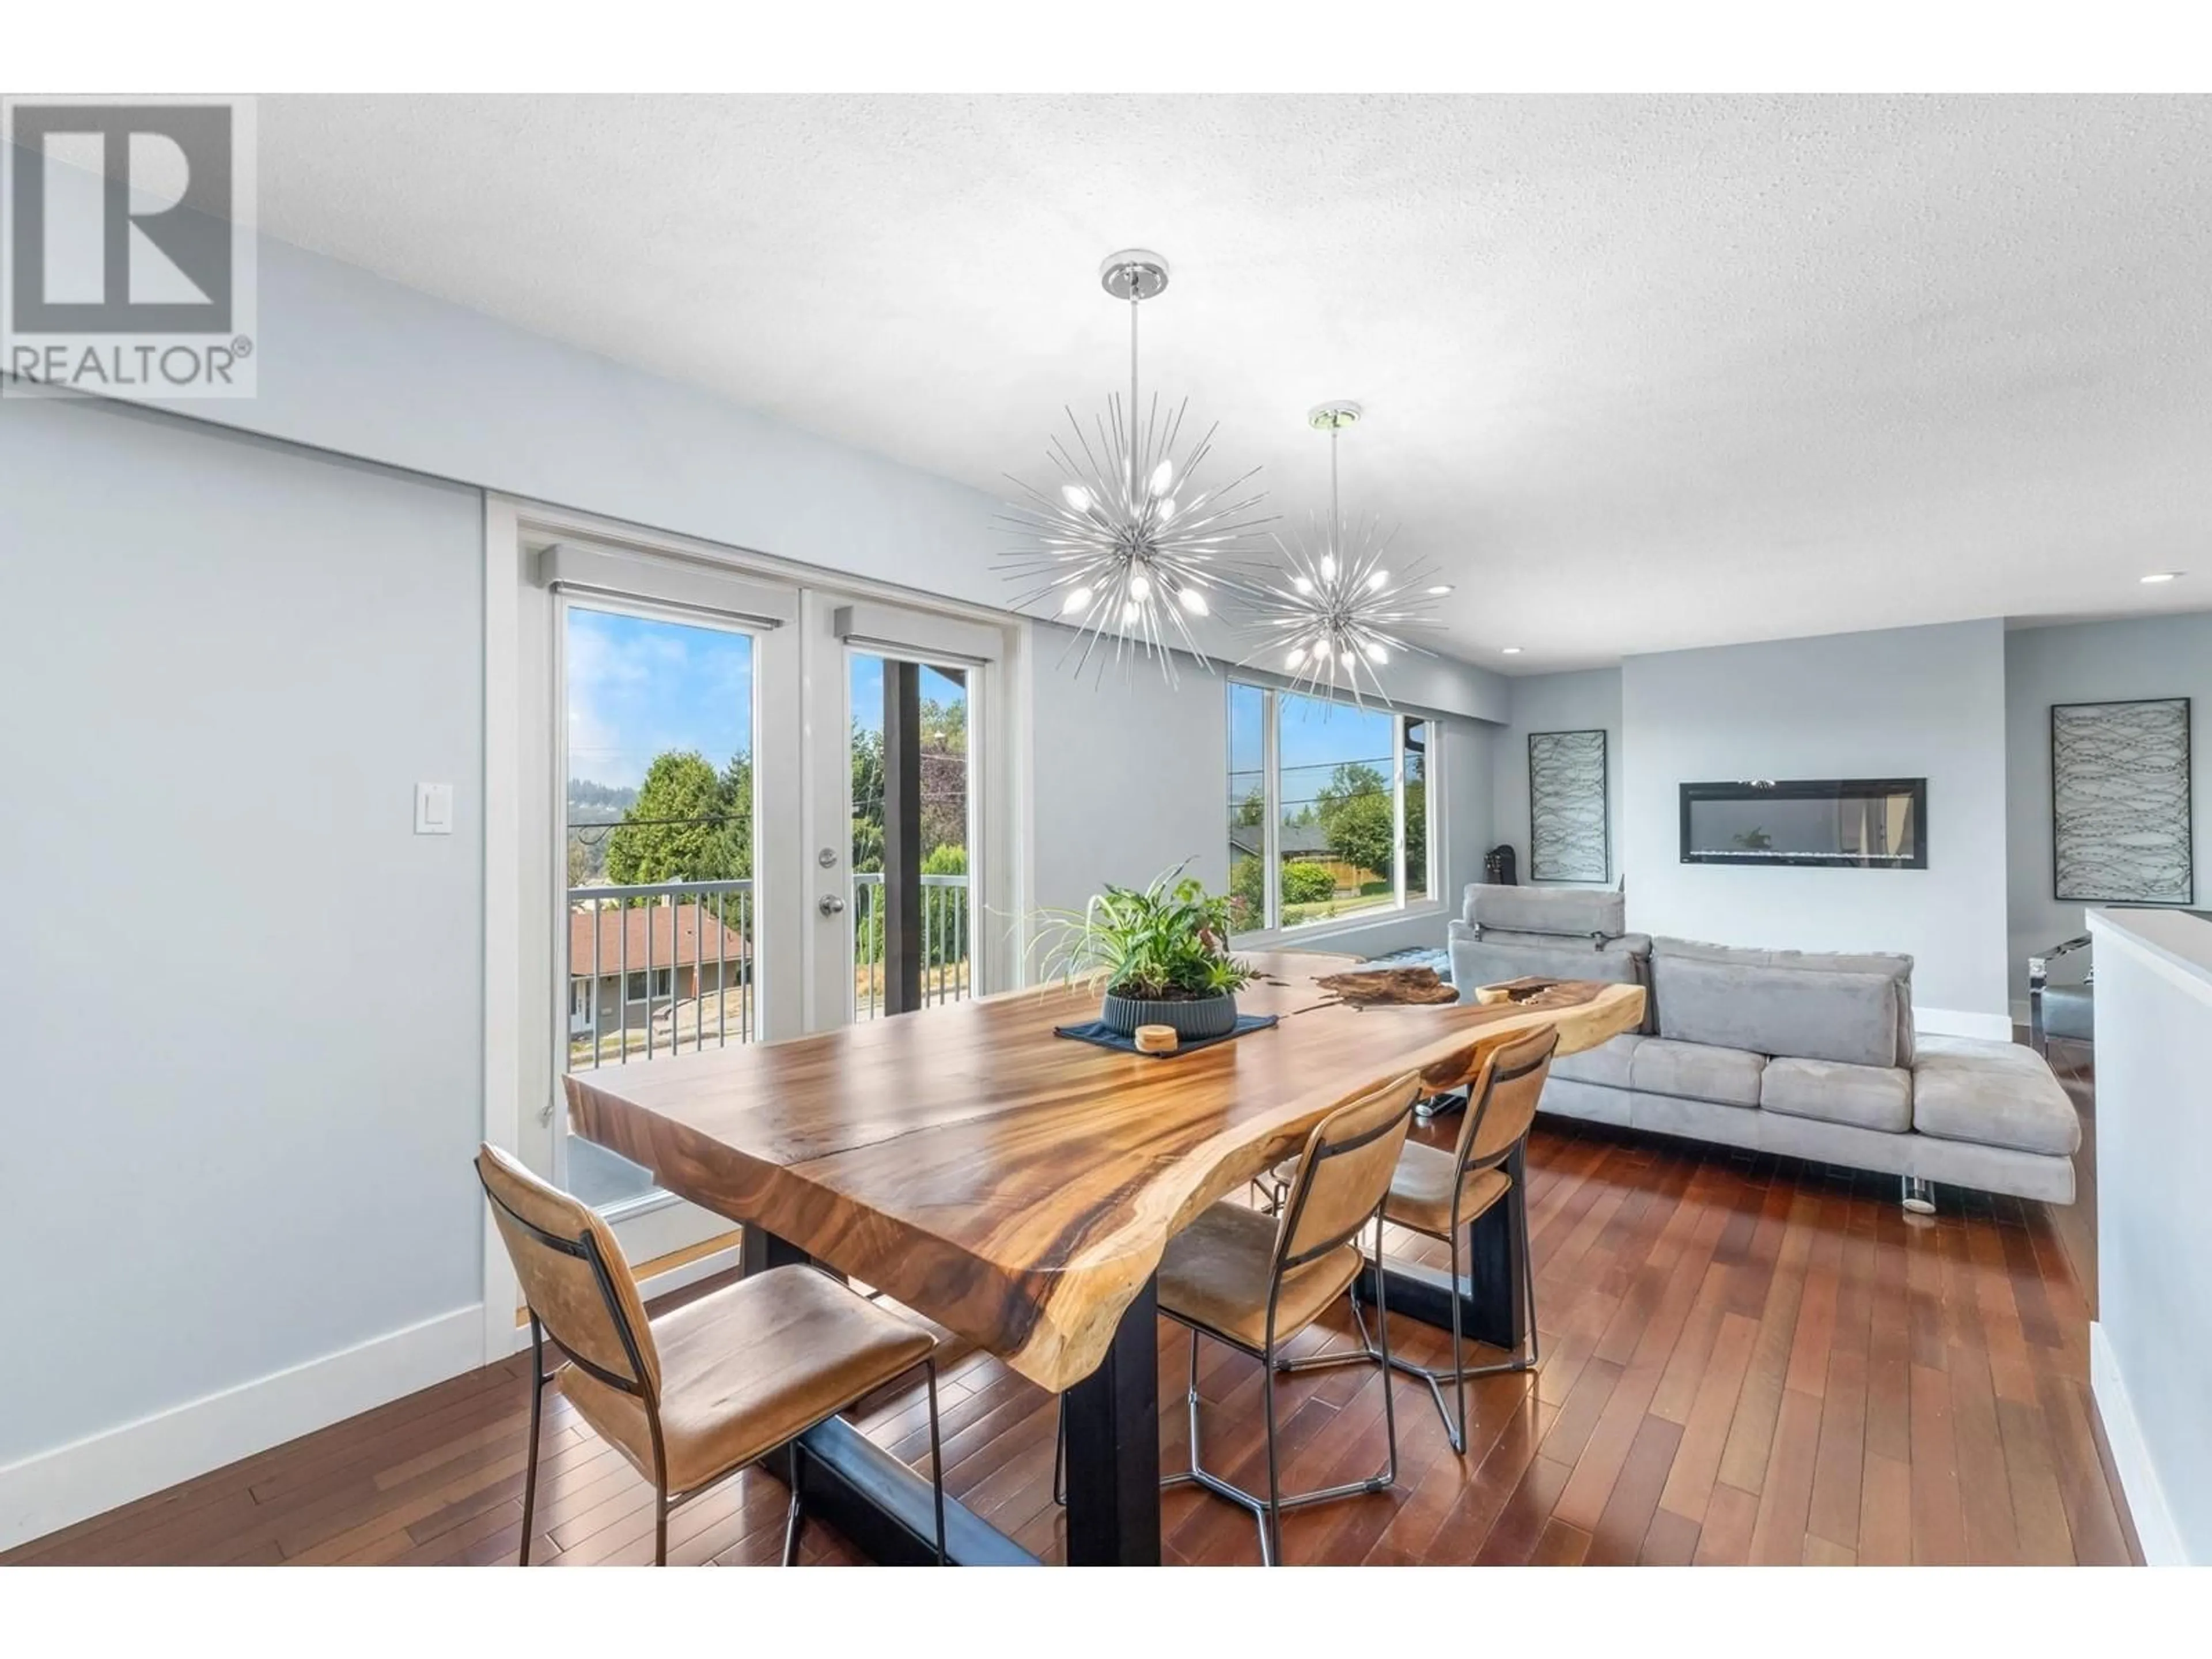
1132	775
2089	662
364	366
1586	702
245	1082
1899	703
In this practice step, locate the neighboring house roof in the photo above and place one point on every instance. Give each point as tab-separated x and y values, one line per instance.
670	932
1296	840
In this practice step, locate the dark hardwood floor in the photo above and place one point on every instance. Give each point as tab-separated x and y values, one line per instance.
1746	1359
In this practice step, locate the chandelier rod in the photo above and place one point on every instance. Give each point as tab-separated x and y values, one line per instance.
1135	299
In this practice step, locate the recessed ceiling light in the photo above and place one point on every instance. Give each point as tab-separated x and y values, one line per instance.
1508	650
1441	589
2161	576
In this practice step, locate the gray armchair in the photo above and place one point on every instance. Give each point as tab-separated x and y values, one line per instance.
2066	1011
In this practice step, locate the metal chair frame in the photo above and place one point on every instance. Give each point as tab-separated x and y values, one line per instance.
2038	978
1267	1512
1455	1416
586	1249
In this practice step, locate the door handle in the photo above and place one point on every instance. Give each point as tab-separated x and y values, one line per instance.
830	905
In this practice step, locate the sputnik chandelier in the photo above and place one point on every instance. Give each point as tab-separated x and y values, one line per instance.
1130	546
1334	614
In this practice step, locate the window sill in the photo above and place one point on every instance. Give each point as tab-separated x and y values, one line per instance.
1347	931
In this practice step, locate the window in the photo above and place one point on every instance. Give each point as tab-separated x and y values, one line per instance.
1327	808
636	992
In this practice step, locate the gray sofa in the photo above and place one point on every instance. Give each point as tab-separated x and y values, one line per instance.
1810	1055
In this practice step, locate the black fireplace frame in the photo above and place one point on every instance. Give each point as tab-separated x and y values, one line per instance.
1808	789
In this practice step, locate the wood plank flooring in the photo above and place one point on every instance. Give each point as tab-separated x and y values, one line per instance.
1746	1359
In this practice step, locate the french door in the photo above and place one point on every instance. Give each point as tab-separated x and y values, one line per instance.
766	807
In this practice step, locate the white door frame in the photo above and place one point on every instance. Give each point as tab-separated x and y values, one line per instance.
523	985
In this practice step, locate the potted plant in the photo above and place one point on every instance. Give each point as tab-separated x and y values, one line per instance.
1161	956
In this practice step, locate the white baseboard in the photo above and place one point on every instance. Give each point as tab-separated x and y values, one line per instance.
2154	1528
1952	1022
54	1489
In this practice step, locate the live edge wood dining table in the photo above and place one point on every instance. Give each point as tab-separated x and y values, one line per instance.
1018	1188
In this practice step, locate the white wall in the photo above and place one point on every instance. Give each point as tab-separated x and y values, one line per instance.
1586	702
244	1075
1900	703
2151	1347
2089	662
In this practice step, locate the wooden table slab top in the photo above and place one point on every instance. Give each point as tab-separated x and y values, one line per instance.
1019	1186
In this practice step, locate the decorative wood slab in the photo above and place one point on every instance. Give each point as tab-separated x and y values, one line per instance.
1016	1187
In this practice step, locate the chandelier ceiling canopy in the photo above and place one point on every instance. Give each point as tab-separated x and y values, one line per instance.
1130	544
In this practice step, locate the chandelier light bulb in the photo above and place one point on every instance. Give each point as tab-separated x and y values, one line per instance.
1076	496
1077	599
1163	476
1439	590
1321	650
1167	509
1140	588
1304	584
1193	601
1378	582
1132	610
1296	656
1329	567
1377	654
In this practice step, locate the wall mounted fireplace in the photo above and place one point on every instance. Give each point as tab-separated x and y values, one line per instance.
1853	823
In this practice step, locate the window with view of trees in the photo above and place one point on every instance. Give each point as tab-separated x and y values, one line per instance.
1328	810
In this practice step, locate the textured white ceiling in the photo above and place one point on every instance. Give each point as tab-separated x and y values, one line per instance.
1642	374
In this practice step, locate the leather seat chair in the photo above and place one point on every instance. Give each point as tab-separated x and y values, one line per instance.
1254	1281
693	1396
1439	1194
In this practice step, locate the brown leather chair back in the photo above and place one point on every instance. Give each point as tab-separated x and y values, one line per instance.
573	1274
1501	1103
1345	1171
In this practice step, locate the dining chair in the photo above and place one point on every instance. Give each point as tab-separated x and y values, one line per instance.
695	1395
1439	1194
1253	1282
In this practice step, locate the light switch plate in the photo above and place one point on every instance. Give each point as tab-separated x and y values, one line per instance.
433	808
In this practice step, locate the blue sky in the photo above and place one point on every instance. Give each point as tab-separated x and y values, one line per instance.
639	686
1316	736
868	691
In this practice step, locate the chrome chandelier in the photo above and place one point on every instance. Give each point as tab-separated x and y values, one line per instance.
1129	545
1335	613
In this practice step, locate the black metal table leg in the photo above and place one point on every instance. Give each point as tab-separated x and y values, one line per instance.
1493	1299
1114	1449
882	1507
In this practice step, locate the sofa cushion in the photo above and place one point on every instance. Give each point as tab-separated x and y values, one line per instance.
1606	1064
1493	958
1997	1094
1578	910
1869	1097
1896	967
1808	1014
1696	1071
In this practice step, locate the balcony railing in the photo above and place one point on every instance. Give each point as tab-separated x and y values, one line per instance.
668	968
946	969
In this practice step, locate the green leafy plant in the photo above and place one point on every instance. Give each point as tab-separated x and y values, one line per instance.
1308	884
1166	942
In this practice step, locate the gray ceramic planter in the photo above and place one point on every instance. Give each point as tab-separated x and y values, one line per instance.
1204	1017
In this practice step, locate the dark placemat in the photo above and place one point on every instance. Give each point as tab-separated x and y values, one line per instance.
1097	1031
